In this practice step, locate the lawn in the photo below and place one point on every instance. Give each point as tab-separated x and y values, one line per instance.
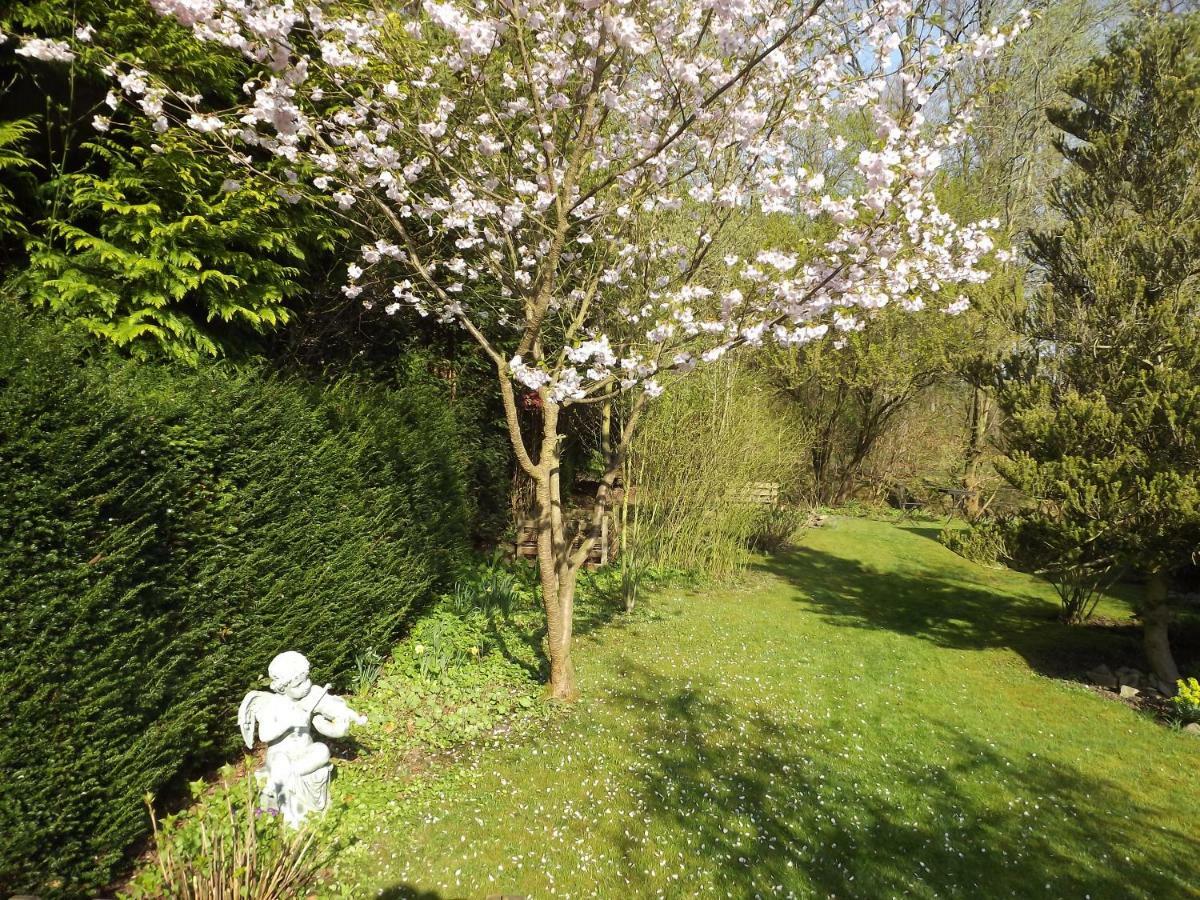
867	715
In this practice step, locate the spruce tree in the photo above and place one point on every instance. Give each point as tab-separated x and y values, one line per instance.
1103	397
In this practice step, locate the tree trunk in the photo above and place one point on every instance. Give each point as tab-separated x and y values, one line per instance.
558	589
607	449
562	669
1156	617
820	462
554	565
977	426
558	561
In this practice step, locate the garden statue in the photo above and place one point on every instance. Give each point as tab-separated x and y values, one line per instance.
295	779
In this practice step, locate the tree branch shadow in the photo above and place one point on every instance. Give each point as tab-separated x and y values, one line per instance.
408	892
952	613
758	797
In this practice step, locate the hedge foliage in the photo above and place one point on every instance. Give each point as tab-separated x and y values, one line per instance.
163	533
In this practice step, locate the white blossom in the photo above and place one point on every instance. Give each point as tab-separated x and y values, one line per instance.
478	155
46	49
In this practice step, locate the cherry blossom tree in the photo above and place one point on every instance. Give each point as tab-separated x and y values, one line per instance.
555	177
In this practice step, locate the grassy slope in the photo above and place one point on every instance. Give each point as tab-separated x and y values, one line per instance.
864	717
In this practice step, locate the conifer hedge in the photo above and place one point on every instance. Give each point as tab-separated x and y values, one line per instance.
163	533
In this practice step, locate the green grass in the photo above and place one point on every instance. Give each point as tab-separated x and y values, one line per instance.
866	716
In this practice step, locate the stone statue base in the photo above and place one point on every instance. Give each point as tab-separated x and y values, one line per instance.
295	800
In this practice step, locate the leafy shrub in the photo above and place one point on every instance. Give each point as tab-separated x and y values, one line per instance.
775	526
1187	699
633	572
14	139
163	533
492	590
984	543
130	234
1038	545
443	641
227	847
153	256
683	515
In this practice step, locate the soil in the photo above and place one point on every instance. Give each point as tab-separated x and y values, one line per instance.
1148	702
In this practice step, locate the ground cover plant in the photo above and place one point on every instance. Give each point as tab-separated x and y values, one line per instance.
883	726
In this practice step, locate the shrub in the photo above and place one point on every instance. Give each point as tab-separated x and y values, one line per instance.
633	571
443	641
1187	699
984	543
684	515
1037	545
163	533
492	590
775	526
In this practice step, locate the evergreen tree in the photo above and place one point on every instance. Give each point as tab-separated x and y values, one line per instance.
1103	398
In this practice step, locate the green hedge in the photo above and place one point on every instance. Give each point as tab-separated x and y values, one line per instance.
163	533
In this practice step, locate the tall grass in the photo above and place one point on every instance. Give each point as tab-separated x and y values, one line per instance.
693	465
228	849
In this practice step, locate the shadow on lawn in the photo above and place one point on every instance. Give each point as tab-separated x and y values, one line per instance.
408	892
524	638
772	808
952	613
930	532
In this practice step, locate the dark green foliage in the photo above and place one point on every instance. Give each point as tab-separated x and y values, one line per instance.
163	533
1104	398
129	28
14	163
775	526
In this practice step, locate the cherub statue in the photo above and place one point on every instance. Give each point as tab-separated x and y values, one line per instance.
295	779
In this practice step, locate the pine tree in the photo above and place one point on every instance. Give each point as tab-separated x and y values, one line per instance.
1103	399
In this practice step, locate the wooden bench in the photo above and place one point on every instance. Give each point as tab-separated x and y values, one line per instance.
525	546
